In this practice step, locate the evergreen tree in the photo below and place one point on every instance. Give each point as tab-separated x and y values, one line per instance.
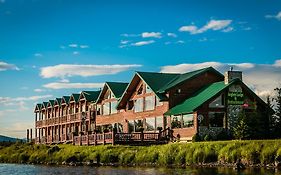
271	118
277	114
241	130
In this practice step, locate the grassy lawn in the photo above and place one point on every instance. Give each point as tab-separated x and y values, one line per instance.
250	152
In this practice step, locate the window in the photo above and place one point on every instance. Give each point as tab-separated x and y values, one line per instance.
118	127
130	105
148	90
159	122
150	124
187	120
106	108
107	95
140	90
135	125
138	125
176	121
131	125
139	105
216	119
218	102
149	103
158	103
113	105
98	109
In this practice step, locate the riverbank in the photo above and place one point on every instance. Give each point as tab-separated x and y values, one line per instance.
261	153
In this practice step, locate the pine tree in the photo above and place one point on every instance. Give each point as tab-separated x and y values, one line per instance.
271	118
277	114
241	130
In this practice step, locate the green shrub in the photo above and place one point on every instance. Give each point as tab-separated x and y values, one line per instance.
207	137
127	157
268	154
109	156
196	138
223	135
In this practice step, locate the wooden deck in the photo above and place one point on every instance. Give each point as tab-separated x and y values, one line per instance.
138	138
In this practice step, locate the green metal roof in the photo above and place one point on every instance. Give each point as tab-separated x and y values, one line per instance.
45	104
186	76
66	99
52	102
157	80
117	88
91	95
75	97
202	96
38	106
58	100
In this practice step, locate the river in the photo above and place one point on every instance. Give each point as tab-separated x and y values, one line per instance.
21	169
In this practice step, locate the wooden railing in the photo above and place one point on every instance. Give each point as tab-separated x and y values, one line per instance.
111	138
63	137
39	123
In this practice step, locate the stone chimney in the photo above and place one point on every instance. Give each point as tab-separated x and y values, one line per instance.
231	75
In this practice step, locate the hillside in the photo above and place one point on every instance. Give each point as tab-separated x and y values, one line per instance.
7	139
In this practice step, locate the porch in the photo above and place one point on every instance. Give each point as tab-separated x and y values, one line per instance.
138	138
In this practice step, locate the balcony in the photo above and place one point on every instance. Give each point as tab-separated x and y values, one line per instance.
39	123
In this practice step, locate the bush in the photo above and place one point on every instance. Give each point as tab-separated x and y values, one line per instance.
223	135
207	137
196	138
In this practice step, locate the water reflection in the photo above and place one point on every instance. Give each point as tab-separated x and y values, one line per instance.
18	169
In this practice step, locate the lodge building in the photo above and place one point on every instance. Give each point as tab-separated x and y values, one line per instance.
152	107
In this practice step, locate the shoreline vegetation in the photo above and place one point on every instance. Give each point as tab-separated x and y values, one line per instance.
236	154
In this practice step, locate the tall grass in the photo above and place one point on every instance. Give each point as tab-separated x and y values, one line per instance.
179	154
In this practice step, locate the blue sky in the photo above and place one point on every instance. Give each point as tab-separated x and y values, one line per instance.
54	48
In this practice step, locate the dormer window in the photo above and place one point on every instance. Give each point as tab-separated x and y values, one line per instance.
139	92
107	95
148	89
218	102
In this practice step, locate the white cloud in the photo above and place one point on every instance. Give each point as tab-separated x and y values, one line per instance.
129	35
2	1
60	85
124	42
73	45
84	46
151	35
142	43
20	102
228	29
64	80
180	42
277	63
69	70
211	25
5	66
39	90
62	47
262	78
31	98
172	35
277	16
181	68
192	29
75	53
203	39
38	55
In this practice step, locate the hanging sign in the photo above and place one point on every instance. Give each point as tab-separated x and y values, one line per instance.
235	98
